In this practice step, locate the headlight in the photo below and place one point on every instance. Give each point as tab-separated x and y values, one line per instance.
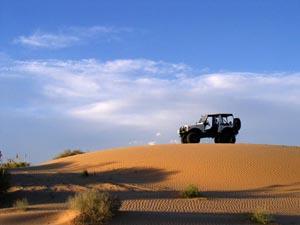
183	128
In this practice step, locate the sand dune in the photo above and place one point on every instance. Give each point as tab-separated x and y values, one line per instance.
234	180
211	167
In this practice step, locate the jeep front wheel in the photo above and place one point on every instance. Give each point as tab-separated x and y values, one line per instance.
193	137
184	139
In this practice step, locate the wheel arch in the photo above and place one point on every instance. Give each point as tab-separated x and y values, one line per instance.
227	131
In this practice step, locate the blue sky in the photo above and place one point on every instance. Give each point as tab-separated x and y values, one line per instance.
100	74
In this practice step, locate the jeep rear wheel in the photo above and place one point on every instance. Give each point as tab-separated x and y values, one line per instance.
217	139
231	139
227	135
226	139
193	137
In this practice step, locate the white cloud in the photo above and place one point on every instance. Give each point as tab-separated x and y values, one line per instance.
47	40
135	142
151	95
70	36
151	143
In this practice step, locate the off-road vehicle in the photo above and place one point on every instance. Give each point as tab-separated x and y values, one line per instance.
223	127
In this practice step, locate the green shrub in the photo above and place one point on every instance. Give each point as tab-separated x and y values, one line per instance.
68	152
11	164
260	217
4	180
21	204
94	206
85	173
191	191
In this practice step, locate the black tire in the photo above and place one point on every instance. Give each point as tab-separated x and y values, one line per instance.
184	139
193	137
227	136
223	139
217	139
237	124
231	139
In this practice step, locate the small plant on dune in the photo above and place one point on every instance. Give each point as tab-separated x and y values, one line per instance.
261	217
21	204
191	191
12	164
68	153
85	173
94	207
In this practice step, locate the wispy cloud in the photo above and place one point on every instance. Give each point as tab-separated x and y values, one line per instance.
69	36
47	40
155	95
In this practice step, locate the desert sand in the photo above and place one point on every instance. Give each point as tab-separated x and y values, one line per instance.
233	179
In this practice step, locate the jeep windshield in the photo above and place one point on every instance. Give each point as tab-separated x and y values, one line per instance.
202	119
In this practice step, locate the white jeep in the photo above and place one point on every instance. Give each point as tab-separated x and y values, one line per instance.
223	127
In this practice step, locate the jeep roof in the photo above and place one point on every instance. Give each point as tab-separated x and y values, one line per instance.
217	114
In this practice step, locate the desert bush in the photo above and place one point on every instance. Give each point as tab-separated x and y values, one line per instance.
260	217
191	191
4	180
85	173
21	204
94	206
12	164
68	152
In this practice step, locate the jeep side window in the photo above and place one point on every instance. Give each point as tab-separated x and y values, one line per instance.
216	119
230	120
224	121
208	123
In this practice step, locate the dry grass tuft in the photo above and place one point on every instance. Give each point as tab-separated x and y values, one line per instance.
68	153
261	217
11	164
94	206
21	204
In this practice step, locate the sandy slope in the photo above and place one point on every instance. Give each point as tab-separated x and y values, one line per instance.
211	167
234	179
